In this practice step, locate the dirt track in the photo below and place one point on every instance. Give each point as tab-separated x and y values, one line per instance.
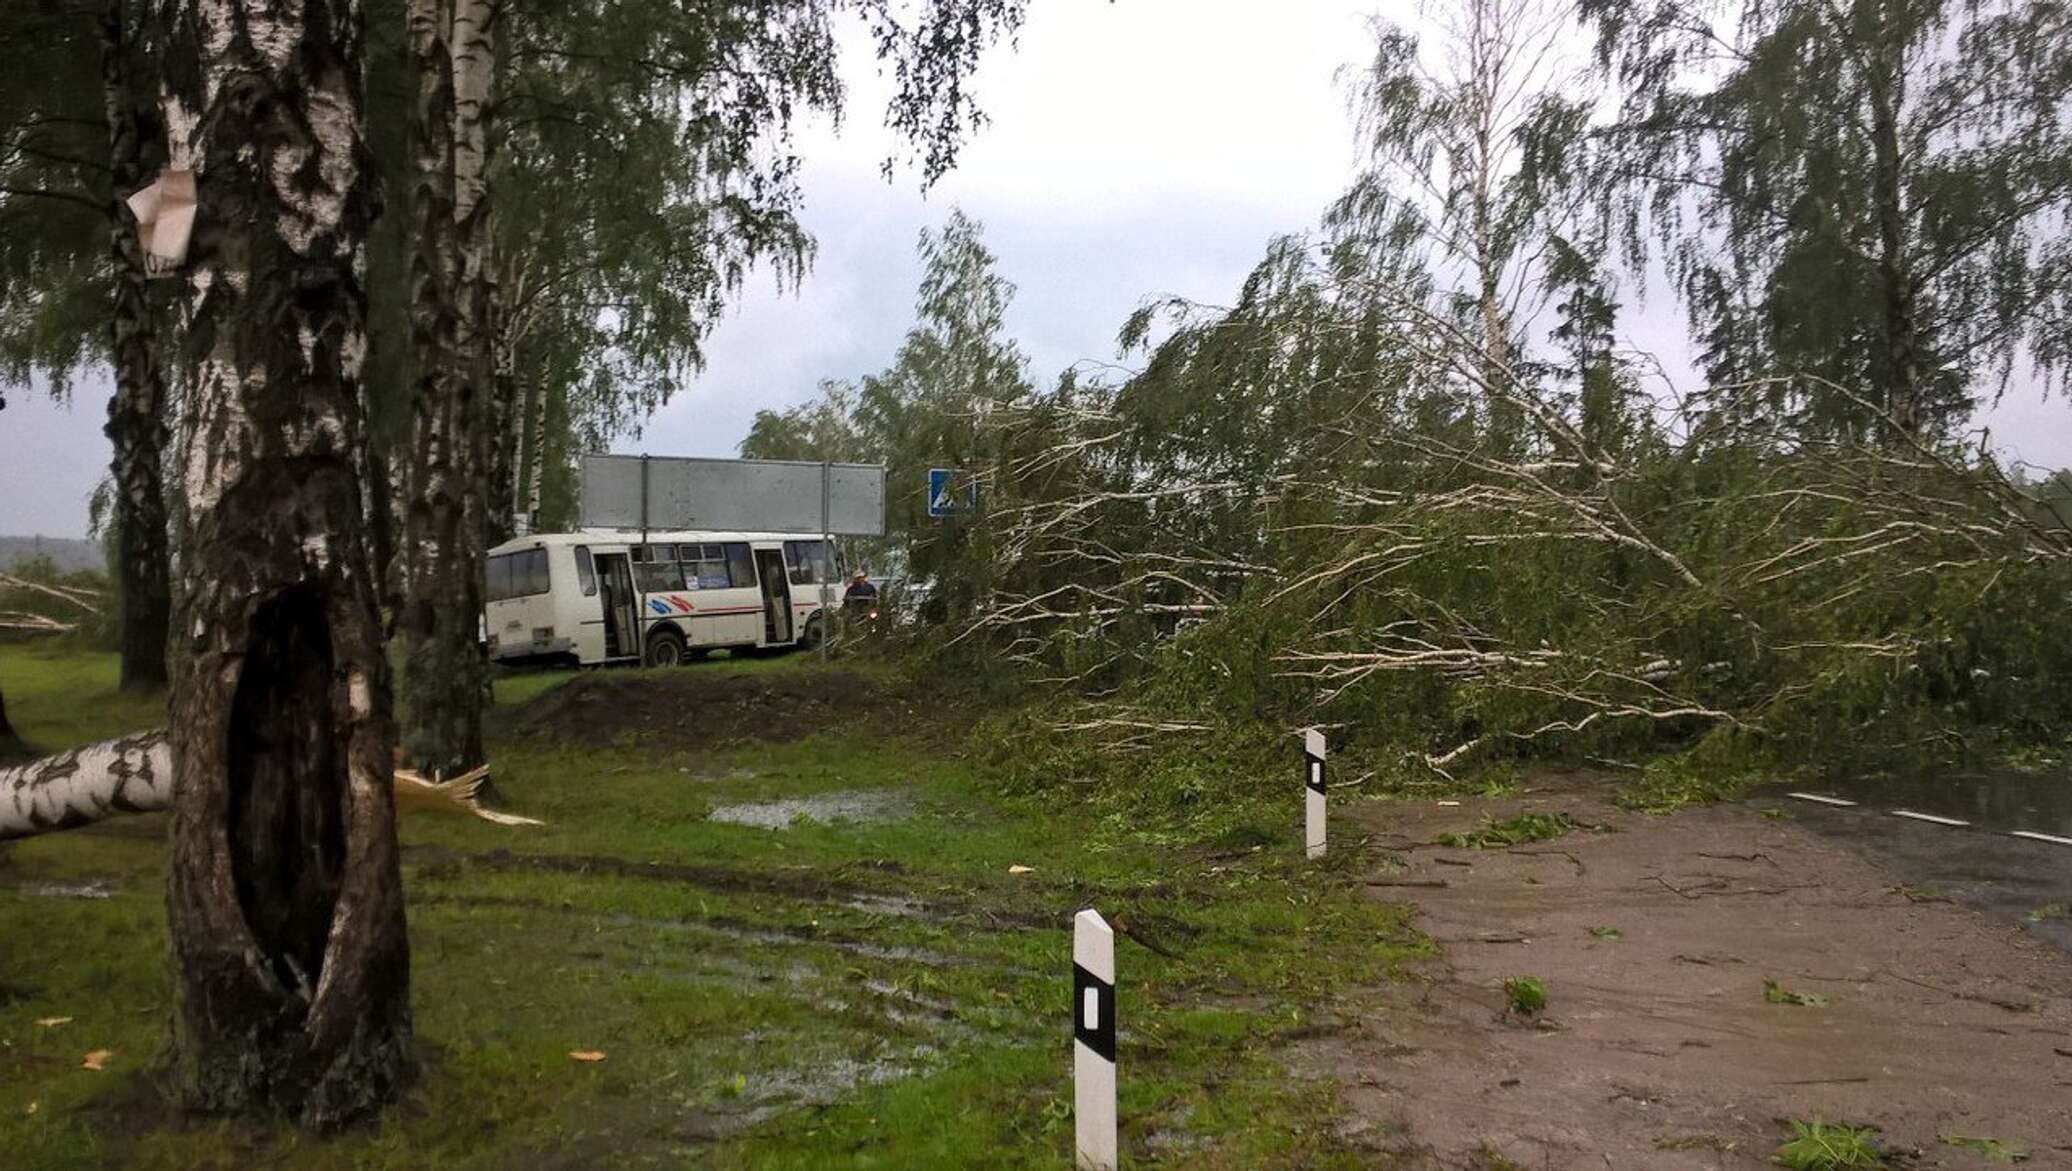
1658	1049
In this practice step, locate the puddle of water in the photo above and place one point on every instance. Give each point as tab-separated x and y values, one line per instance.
935	1011
1994	801
768	1095
863	806
827	1080
876	951
738	974
712	775
896	905
90	890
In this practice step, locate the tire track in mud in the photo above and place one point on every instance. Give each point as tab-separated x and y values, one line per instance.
858	885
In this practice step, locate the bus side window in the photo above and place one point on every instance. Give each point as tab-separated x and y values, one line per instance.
704	567
740	565
586	574
660	575
499	575
805	557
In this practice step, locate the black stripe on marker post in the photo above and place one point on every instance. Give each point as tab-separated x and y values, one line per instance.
1316	772
1100	1036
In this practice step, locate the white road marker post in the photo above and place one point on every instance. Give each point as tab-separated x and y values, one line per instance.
1313	783
1093	1041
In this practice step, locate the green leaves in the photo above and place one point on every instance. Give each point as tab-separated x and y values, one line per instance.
1525	996
1991	1148
646	166
1775	993
1526	827
1859	200
1824	1146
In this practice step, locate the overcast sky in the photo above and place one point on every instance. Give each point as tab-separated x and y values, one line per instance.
1136	149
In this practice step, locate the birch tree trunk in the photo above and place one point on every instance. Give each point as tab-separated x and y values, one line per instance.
11	744
507	440
443	525
1902	391
478	34
136	413
285	902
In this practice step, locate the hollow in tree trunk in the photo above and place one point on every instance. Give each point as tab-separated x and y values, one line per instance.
285	903
136	414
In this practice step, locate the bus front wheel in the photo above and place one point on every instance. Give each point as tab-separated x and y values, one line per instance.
665	649
816	632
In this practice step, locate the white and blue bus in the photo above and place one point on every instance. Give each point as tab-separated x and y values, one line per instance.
609	596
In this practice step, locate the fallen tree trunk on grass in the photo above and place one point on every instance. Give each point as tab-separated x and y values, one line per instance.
134	774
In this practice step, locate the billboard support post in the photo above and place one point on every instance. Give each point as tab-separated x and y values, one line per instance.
640	619
827	557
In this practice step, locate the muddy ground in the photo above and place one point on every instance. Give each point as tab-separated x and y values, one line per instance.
1658	1048
696	709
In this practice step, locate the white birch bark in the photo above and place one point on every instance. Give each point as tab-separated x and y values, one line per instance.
133	774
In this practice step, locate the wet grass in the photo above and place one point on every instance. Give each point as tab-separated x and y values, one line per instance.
58	696
880	992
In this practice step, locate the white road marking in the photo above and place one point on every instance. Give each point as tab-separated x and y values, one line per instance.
2030	834
2033	836
1928	817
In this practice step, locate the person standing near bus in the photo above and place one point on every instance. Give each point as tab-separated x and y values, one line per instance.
861	593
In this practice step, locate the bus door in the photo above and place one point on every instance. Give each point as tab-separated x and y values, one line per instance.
615	590
769	567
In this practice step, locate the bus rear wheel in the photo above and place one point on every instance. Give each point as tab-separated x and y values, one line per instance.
665	649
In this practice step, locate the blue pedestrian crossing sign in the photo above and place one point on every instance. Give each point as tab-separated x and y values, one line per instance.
951	492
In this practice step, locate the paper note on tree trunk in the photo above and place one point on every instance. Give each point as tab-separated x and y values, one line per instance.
165	220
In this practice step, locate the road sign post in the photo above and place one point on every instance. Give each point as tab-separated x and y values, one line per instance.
826	562
1313	790
1093	1041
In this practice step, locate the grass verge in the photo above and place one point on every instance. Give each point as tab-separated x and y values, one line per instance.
868	986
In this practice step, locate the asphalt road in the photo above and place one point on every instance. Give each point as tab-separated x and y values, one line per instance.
1981	863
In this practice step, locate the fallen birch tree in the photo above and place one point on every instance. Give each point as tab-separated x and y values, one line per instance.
134	774
1300	513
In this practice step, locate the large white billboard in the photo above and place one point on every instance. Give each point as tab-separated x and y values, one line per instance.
748	495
